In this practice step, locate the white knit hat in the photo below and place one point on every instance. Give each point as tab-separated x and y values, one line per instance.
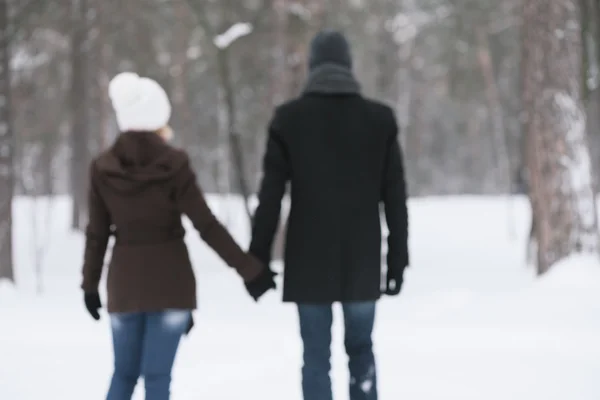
140	104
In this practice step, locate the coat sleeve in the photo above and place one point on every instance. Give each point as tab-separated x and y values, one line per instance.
276	173
395	202
191	202
97	234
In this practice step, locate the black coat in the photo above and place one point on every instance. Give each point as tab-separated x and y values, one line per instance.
341	155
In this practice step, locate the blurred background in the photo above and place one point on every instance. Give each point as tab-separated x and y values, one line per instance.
450	68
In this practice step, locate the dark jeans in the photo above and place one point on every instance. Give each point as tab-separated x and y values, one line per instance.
315	328
145	345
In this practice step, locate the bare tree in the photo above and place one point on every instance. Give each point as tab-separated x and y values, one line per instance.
499	138
6	149
558	159
79	108
40	210
229	31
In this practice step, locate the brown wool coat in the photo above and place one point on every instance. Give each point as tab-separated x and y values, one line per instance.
139	190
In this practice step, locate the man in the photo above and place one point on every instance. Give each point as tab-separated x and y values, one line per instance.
340	153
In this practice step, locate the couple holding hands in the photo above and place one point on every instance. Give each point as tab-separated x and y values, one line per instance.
339	153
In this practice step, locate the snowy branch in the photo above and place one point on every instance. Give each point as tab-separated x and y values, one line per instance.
235	32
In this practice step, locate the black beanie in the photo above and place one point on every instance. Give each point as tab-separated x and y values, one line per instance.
329	47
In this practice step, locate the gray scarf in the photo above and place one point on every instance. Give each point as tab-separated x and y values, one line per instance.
331	79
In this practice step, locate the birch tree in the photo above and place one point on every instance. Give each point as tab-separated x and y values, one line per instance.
558	158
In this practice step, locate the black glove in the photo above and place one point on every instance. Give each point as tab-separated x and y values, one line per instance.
190	325
393	282
261	284
93	304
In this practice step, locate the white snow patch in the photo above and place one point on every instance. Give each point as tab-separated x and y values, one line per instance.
235	32
174	319
366	386
579	272
194	52
8	291
23	59
578	182
300	10
116	323
444	301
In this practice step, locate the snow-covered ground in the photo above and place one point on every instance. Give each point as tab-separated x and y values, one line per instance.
472	323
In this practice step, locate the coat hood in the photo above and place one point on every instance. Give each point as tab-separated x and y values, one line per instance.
138	159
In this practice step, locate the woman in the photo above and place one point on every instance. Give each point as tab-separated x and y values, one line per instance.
139	189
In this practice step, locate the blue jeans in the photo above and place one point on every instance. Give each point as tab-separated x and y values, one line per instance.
145	345
315	329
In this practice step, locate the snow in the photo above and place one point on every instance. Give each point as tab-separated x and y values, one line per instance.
472	322
300	10
578	181
194	52
27	59
579	272
235	32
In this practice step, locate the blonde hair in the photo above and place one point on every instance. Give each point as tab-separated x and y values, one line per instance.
166	133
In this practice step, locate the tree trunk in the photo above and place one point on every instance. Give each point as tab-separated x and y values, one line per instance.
79	118
279	81
104	54
499	139
297	34
561	192
234	143
387	53
6	150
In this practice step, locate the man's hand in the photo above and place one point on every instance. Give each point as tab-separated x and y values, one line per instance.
393	282
261	284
